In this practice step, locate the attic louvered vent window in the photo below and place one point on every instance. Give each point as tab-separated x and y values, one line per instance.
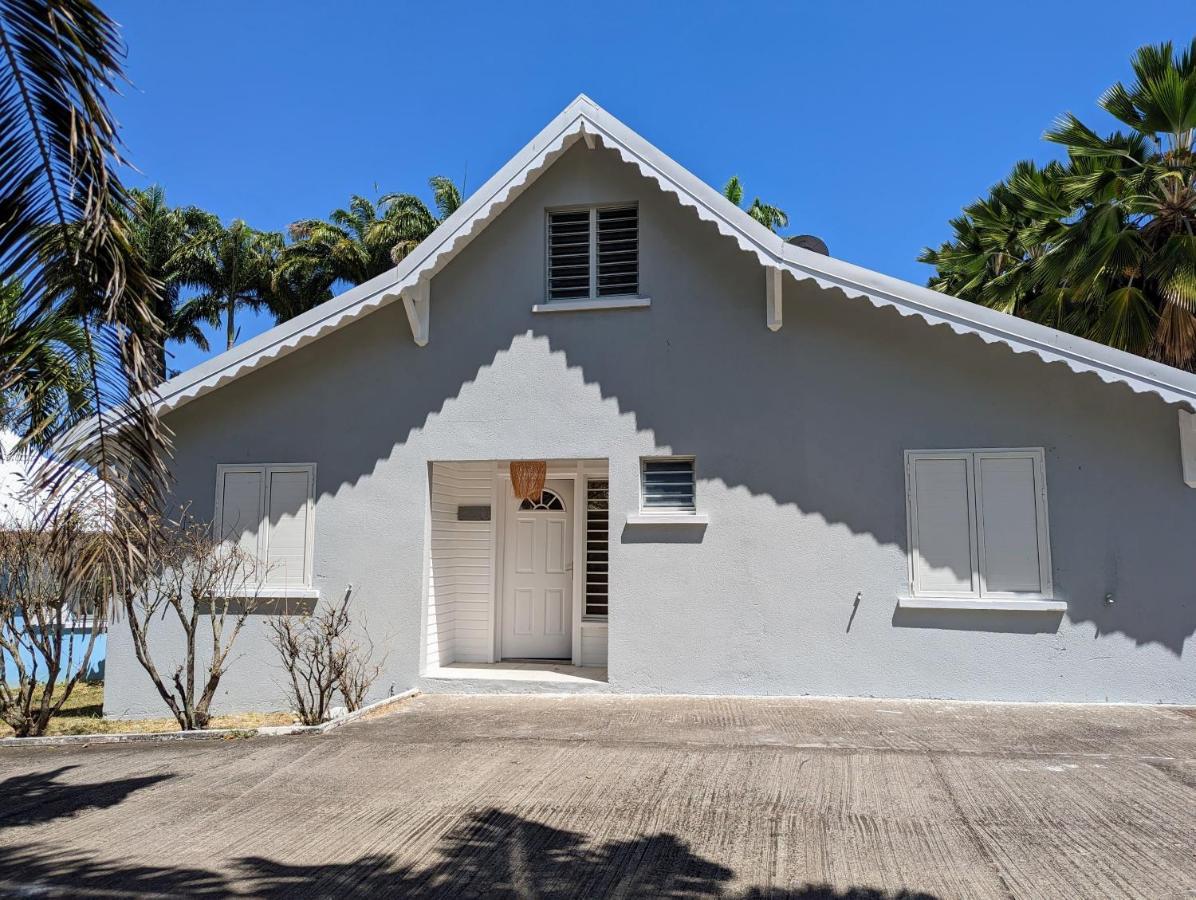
668	485
593	253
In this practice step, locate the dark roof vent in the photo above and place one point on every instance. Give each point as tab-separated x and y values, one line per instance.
809	242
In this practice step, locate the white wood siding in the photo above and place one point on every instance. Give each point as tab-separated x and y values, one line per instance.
459	592
593	644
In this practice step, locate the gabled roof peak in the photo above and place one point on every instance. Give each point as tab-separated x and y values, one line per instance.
585	119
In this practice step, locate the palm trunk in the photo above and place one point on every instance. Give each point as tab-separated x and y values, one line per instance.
230	307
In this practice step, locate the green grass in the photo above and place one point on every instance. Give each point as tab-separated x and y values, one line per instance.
83	713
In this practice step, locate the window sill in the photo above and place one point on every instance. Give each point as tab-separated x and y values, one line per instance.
668	519
593	303
1043	605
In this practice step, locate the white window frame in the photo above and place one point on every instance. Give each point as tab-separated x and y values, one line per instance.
265	470
592	299
655	515
980	597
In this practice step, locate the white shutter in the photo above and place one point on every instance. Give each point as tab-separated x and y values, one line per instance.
239	508
1011	523
942	542
289	491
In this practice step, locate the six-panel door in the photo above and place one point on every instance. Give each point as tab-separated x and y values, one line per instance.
537	600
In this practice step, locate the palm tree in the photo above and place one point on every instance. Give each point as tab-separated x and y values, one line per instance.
1104	244
350	246
231	267
59	62
46	355
771	217
161	236
355	244
409	220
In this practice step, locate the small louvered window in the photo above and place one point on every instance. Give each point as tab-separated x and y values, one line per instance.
569	255
668	485
618	251
597	545
593	253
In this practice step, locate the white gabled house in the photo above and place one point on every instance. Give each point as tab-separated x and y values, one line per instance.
768	471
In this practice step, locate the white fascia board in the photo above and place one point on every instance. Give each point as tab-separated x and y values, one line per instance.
585	118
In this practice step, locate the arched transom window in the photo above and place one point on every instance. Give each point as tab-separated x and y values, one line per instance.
549	501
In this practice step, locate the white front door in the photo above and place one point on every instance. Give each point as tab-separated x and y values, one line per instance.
537	597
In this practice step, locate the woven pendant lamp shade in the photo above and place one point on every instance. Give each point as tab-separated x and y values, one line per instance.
527	478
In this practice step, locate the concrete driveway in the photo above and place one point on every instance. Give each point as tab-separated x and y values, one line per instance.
610	796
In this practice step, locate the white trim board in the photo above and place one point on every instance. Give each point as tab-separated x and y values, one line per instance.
585	120
1040	606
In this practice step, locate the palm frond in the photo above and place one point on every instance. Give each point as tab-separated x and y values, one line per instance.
446	195
1104	244
59	61
733	190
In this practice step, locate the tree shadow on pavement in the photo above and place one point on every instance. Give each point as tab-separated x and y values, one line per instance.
498	854
41	797
494	854
47	871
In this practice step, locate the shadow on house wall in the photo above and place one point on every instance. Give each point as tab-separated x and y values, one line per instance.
814	418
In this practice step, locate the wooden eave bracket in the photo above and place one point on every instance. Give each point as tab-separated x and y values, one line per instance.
588	136
418	306
772	296
1187	446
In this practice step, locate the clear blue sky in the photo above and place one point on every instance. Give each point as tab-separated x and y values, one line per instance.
871	123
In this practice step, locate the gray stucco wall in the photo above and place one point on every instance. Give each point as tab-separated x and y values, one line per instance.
798	434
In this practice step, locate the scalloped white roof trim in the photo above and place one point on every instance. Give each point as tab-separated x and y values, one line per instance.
583	117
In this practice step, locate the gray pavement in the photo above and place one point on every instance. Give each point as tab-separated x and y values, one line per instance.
593	796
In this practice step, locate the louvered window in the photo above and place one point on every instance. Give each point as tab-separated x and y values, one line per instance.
597	544
593	253
618	251
668	485
569	255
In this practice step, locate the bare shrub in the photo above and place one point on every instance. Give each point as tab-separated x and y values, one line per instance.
210	588
321	657
359	673
42	601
